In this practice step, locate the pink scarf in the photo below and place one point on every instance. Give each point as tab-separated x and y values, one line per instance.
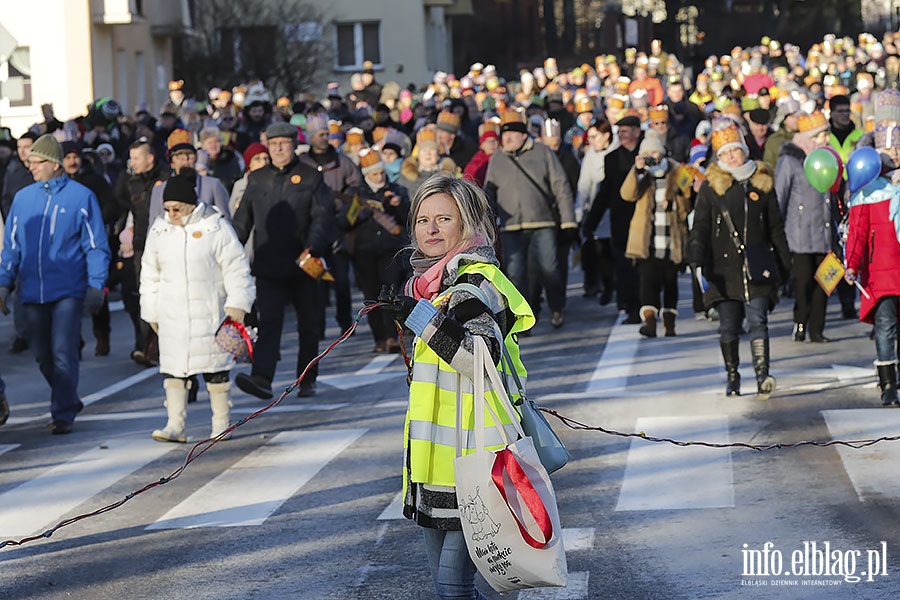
428	284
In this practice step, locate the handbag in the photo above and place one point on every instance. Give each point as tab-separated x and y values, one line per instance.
759	259
507	505
236	339
549	446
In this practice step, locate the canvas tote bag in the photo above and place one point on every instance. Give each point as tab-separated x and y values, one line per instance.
506	501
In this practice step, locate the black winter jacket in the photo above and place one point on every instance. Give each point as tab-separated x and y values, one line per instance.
710	244
290	209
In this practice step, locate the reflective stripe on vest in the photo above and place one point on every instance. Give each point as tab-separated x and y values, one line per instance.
430	429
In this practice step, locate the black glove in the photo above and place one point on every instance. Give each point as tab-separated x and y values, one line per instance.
398	306
4	294
93	300
568	236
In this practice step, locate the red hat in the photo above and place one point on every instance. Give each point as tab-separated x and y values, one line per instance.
251	151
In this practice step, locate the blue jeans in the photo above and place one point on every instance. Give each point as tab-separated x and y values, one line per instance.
54	333
452	570
731	315
2	385
540	246
886	329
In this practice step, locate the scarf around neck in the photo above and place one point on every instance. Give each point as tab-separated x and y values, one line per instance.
428	271
741	173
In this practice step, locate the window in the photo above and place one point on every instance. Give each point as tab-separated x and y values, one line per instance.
356	43
17	86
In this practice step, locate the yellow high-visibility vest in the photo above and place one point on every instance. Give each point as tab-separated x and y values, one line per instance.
430	429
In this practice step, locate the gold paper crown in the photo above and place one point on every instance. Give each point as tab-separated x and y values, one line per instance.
355	136
368	158
492	124
622	85
378	133
426	135
659	112
583	104
616	102
810	122
179	136
448	120
726	135
511	116
334	127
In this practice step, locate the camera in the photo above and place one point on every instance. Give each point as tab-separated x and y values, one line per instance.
650	161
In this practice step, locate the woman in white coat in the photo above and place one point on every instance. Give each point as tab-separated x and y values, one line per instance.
194	273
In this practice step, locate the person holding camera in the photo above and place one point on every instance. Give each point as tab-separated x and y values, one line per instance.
736	206
657	235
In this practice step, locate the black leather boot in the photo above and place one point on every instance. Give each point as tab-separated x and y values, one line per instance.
765	383
887	383
731	355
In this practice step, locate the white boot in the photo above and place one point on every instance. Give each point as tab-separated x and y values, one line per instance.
176	407
220	402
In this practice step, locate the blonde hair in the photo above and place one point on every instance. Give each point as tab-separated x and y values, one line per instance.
474	211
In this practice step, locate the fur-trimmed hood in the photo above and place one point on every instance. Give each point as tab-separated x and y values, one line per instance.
721	180
410	167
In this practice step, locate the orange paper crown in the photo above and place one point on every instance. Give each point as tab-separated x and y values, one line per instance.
726	135
368	158
334	127
659	112
512	116
492	124
811	122
448	121
426	135
583	104
355	136
378	133
616	102
179	137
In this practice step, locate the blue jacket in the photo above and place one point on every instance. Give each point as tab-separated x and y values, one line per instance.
55	242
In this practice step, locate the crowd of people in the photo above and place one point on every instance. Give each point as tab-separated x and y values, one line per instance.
634	164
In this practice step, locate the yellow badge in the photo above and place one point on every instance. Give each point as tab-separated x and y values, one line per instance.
295	179
120	265
197	235
158	182
754	196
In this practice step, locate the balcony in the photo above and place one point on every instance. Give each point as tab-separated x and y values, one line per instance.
116	12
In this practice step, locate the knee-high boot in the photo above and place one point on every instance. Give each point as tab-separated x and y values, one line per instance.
220	402
887	383
765	383
176	408
731	355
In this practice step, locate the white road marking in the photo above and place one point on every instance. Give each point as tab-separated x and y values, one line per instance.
575	539
368	375
662	476
576	589
119	386
394	510
258	484
4	448
610	377
870	469
42	501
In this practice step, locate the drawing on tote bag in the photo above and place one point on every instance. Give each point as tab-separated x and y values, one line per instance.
476	514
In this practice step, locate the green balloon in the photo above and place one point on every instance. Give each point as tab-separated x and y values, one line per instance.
821	169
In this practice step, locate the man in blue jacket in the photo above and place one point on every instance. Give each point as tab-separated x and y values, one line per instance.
55	243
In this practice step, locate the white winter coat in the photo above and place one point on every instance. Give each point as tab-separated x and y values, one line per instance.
189	275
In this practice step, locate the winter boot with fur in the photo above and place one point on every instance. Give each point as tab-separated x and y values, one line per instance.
731	355
887	383
668	317
176	407
765	383
220	402
648	316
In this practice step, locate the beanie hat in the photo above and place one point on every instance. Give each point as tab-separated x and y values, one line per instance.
652	143
281	129
369	160
812	124
181	187
887	106
698	153
726	135
48	148
887	136
513	120
448	121
70	147
179	139
251	151
703	129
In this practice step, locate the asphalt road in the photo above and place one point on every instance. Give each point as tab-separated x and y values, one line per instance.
302	502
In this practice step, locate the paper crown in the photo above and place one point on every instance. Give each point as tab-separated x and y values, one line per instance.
355	136
335	128
813	123
725	131
732	108
887	105
622	84
492	124
378	133
426	135
627	112
550	129
448	121
660	112
616	102
179	139
583	104
369	160
887	136
512	116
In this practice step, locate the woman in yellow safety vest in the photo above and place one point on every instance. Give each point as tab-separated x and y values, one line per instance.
457	292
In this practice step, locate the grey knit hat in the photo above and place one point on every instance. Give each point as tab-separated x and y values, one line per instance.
48	148
281	129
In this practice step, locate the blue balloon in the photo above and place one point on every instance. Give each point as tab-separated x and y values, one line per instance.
863	167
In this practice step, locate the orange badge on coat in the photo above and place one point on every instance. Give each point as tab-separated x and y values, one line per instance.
296	179
754	196
197	235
